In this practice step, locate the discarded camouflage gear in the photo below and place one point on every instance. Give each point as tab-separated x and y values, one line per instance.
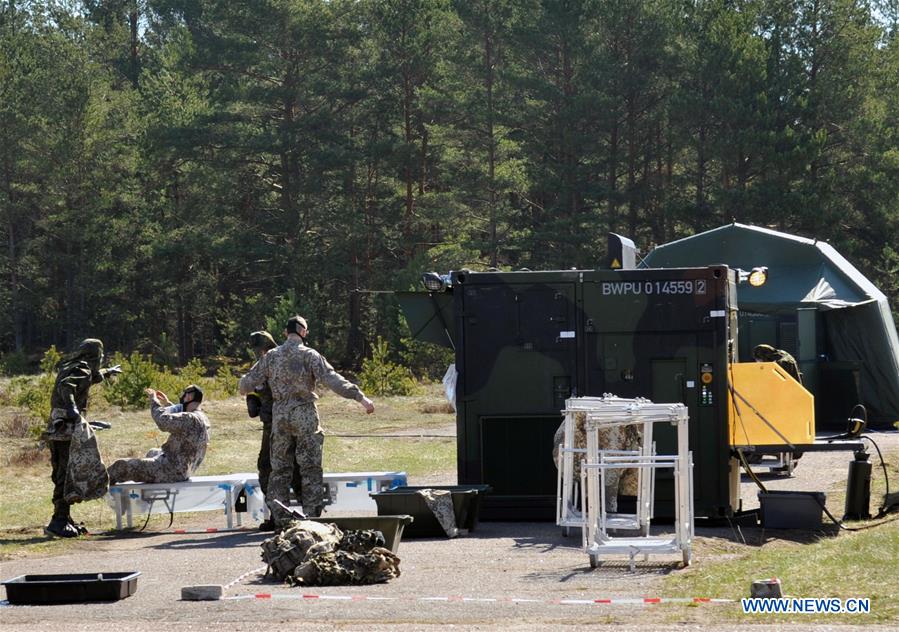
310	553
341	568
297	440
361	540
180	455
86	477
287	550
618	481
767	353
440	502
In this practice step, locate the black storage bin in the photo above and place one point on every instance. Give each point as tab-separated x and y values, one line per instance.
405	500
791	510
70	587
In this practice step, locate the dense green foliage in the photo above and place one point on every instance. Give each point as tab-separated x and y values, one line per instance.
381	376
177	173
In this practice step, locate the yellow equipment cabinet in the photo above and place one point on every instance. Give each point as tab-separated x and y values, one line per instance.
762	393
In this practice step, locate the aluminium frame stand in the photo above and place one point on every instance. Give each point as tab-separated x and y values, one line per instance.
597	540
569	503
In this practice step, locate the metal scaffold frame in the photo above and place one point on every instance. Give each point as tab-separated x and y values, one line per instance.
569	513
597	540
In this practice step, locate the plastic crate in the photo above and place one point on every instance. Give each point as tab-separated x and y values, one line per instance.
390	526
70	587
791	510
405	500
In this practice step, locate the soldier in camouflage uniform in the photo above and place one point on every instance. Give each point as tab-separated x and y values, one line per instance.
292	371
767	353
75	375
259	404
184	450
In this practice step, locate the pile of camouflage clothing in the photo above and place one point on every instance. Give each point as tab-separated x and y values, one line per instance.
310	553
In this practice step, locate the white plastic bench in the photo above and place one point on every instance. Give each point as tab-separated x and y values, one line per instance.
347	491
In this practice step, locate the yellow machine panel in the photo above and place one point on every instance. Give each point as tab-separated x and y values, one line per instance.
760	392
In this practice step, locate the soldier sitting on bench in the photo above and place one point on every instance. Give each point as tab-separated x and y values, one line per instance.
183	451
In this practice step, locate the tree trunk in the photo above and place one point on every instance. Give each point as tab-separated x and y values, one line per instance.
132	21
491	146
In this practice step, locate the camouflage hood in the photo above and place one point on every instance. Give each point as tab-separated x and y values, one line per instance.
90	350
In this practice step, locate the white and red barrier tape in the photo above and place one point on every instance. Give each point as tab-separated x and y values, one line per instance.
500	600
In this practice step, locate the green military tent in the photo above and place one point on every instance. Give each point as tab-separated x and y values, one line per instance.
816	305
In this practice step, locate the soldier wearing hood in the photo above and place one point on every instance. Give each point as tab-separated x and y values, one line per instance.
76	373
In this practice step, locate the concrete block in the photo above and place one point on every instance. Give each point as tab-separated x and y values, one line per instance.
208	592
766	588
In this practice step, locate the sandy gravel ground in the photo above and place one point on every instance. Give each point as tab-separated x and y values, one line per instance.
498	561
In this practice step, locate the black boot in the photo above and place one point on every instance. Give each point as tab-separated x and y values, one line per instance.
78	526
267	525
59	527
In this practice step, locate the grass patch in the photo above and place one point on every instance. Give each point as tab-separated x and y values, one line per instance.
847	564
25	507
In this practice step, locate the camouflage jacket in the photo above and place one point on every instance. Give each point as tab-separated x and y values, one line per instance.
292	370
73	383
185	448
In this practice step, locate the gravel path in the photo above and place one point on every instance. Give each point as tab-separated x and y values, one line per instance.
498	561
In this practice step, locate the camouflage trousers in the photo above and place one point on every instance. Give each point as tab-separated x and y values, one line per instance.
264	464
154	468
297	438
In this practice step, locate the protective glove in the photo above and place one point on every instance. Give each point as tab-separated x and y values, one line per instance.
113	370
254	405
72	413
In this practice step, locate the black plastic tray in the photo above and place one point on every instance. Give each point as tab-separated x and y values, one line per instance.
70	587
405	500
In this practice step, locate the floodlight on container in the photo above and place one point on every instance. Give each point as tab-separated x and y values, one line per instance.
433	282
758	276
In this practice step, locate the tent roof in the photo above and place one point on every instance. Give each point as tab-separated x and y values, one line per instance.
800	271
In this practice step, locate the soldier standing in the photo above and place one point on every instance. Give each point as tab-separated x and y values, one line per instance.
292	371
259	404
68	402
184	450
